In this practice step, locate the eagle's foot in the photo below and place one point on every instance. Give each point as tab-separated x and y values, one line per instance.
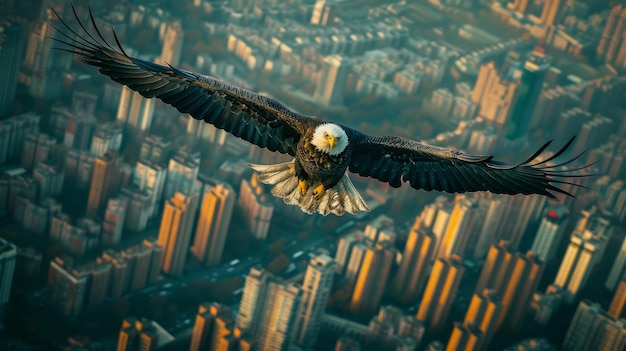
303	187
319	191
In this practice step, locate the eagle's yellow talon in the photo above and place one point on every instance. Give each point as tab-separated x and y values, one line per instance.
318	191
303	187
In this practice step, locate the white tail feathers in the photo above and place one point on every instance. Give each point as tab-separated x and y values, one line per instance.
339	199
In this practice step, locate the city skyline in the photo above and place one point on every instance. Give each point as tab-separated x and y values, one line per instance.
128	225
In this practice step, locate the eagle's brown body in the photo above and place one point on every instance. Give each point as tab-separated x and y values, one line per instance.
318	167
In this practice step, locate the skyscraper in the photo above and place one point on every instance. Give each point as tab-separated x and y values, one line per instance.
344	249
182	172
11	48
441	288
135	113
587	244
281	308
618	271
483	311
114	219
172	44
268	310
141	335
149	177
411	276
372	278
464	221
550	233
514	277
616	309
67	286
8	254
593	329
212	321
104	181
106	137
256	207
611	48
37	148
332	81
175	231
550	12
466	336
218	201
316	288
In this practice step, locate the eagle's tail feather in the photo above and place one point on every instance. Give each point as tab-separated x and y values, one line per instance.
339	199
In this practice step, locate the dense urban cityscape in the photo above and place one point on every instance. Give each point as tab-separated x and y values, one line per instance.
126	225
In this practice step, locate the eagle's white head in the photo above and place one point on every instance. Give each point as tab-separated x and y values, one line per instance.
330	138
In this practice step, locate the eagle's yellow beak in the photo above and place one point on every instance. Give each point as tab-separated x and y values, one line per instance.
331	141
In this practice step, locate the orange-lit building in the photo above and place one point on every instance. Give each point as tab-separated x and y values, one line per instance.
410	277
616	309
218	201
213	322
372	278
104	181
483	311
441	289
465	337
175	231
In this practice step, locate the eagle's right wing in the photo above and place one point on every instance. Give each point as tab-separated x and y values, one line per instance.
258	119
395	160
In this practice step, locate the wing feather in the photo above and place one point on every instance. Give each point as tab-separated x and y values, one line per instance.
394	159
255	118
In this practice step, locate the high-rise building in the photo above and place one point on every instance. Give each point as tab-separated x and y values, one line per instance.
135	113
252	299
175	232
142	335
172	44
150	178
8	253
618	271
36	148
441	288
465	219
331	84
13	131
218	201
114	219
616	309
519	213
50	178
43	68
514	277
524	278
139	259
67	286
484	311
380	229
212	322
317	285
99	273
611	48
138	210
550	233
206	138
372	277
587	245
104	182
531	84
78	131
106	137
182	173
154	272
593	329
256	207
79	168
268	310
344	249
154	149
494	94
466	336
410	277
11	48
550	12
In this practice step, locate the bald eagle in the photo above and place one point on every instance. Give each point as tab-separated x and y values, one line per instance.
324	152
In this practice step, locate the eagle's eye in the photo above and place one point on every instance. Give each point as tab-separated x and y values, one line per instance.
325	134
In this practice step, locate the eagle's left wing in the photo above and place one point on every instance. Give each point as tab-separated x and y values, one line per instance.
395	159
260	120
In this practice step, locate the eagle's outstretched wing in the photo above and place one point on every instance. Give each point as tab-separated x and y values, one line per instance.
394	159
258	119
